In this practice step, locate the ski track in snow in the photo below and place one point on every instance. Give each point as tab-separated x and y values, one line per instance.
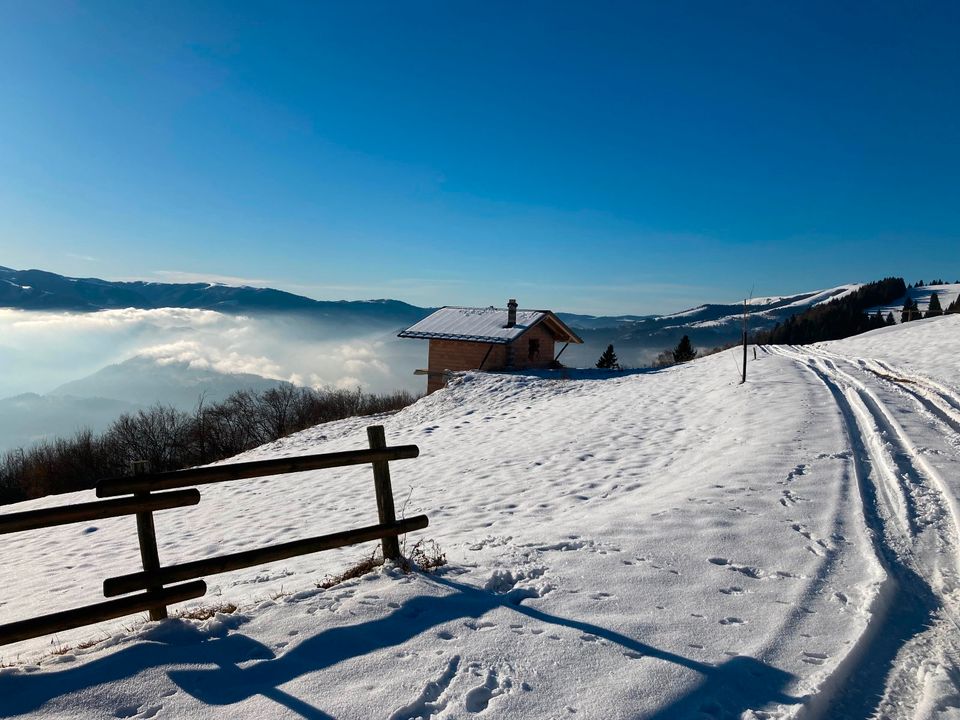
659	545
914	521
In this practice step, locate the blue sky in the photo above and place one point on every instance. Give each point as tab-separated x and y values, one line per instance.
593	157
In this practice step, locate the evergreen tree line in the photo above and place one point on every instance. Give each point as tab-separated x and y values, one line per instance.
919	283
170	439
838	318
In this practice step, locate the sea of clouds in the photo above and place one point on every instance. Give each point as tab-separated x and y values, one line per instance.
41	350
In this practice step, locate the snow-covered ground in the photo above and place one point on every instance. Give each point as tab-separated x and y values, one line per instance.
663	544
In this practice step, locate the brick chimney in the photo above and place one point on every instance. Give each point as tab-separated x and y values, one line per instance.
511	313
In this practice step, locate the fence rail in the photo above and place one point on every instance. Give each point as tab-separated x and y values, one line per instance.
84	512
146	498
254	469
98	612
236	561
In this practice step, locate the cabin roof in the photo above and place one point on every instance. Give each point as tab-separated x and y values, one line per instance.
485	325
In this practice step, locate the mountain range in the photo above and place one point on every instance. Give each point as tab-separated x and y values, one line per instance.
42	290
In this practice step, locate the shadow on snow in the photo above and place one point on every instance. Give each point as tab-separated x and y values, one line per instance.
739	684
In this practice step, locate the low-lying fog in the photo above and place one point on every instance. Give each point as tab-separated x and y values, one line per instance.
42	351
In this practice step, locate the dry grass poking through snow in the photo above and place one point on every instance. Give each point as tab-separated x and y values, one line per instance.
205	612
425	556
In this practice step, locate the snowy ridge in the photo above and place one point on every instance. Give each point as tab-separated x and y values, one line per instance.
658	544
763	310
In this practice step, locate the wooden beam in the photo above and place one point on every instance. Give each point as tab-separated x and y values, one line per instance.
257	468
97	510
149	555
89	614
484	361
236	561
384	490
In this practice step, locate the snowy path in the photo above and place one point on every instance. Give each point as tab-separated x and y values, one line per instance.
661	545
912	513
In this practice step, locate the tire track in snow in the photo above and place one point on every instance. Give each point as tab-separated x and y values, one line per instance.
900	499
936	399
933	397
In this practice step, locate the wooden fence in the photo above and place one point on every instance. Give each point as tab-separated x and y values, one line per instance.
142	495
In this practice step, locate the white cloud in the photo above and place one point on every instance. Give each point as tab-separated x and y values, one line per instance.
198	354
162	318
42	350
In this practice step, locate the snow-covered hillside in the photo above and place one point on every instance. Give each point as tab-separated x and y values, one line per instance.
663	544
764	311
946	294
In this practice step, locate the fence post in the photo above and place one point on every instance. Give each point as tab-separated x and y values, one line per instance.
147	536
381	481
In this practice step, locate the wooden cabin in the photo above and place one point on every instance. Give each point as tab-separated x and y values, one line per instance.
489	339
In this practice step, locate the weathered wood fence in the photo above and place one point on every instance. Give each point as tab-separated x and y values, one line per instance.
143	495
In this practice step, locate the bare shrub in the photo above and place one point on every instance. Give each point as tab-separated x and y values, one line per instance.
425	556
170	439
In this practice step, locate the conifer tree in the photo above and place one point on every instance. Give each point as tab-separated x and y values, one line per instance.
934	309
910	311
890	320
608	360
684	350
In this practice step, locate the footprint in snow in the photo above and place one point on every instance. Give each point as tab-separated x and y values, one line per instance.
732	621
797	472
814	658
480	625
750	572
433	698
478	699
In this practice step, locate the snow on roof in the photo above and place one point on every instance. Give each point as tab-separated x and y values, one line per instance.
487	325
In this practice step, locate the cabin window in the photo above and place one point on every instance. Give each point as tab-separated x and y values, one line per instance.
533	352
